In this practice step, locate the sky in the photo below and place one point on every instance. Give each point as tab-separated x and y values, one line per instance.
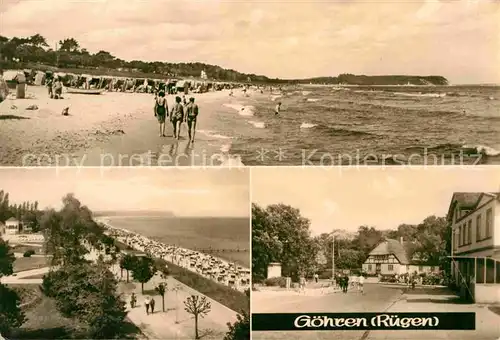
191	193
458	39
373	196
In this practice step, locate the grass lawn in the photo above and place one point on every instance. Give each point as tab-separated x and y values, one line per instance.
226	296
27	263
21	248
45	322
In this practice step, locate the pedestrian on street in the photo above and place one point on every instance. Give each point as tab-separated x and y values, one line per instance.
346	283
316	277
147	302
152	304
361	284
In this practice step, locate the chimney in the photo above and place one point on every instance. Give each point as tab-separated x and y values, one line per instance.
401	240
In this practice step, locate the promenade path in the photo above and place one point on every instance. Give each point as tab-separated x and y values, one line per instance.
175	322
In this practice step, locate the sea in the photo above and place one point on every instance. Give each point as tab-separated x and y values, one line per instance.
362	125
227	238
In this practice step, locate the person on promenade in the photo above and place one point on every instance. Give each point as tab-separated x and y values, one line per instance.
152	305
161	111
177	116
316	277
191	116
147	304
133	300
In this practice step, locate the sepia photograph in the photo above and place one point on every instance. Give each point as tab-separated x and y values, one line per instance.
286	82
125	253
374	240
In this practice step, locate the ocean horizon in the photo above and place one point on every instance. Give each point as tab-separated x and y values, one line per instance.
224	237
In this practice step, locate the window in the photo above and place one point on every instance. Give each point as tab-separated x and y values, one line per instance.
420	268
478	228
488	224
469	232
369	267
390	267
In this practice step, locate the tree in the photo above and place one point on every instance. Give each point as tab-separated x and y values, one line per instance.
162	289
128	262
7	258
88	293
69	45
280	233
198	307
143	270
240	329
11	314
38	40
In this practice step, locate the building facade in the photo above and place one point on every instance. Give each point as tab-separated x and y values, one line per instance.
12	226
390	257
474	219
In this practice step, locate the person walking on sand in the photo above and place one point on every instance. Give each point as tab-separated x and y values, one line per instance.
191	116
161	111
277	109
152	305
147	303
177	116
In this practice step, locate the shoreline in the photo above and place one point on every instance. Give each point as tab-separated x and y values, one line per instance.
110	129
169	253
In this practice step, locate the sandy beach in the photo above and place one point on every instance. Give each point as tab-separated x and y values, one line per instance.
111	129
211	267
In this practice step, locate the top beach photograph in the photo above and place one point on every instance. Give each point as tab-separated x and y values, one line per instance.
249	83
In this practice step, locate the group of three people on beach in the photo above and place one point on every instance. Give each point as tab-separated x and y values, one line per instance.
181	113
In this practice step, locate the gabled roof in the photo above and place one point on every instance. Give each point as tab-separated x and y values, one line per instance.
12	219
390	246
467	200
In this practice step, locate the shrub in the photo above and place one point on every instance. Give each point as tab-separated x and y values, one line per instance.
28	253
433	279
275	282
391	278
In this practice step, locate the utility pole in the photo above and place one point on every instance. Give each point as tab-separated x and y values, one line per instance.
333	258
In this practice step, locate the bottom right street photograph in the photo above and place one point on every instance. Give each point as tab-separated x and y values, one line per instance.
376	253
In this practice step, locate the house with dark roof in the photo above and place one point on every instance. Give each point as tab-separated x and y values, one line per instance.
474	219
395	257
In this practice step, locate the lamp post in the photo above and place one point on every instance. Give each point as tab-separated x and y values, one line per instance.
176	288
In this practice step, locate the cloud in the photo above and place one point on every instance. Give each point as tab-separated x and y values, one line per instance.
281	38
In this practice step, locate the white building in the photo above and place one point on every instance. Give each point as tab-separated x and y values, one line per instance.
391	257
474	219
12	226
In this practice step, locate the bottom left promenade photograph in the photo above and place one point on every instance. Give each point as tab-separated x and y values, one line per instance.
124	253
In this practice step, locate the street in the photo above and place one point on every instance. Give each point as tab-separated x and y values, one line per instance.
377	298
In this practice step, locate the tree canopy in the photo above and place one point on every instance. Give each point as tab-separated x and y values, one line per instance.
281	234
